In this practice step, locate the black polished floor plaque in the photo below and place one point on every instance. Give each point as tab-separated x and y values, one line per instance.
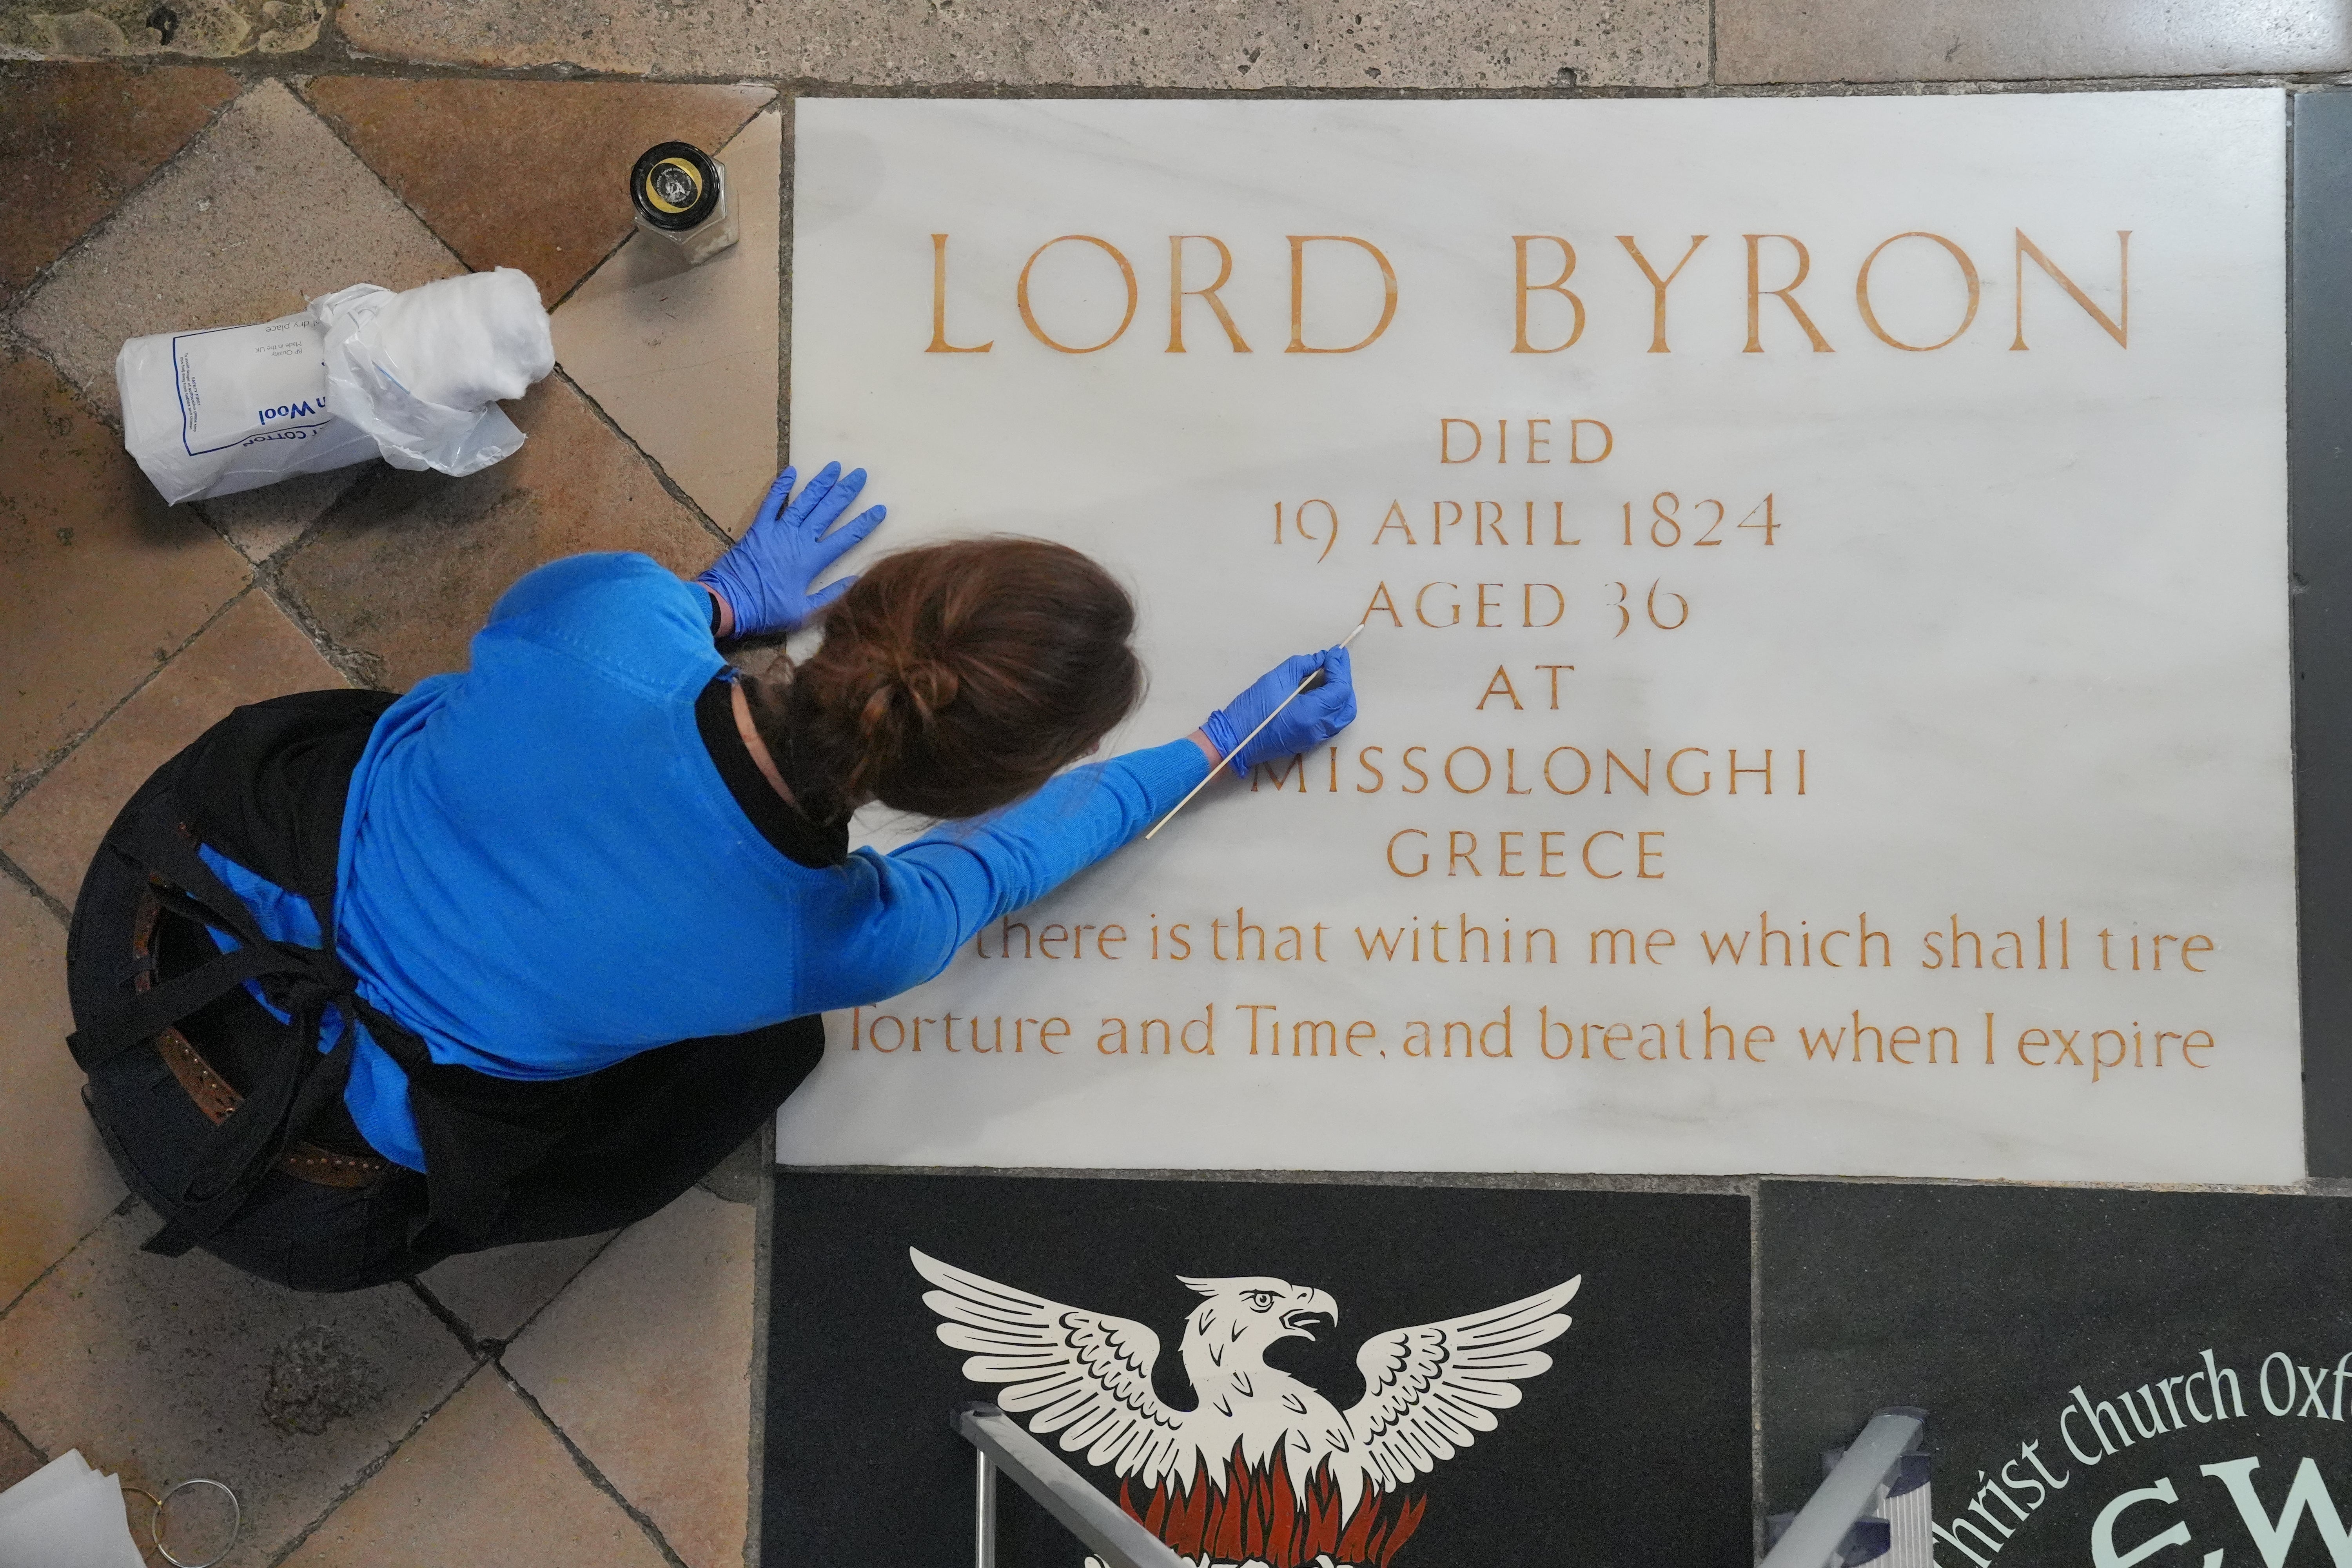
2111	1377
1275	1373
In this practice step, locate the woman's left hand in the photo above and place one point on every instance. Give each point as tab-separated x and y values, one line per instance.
764	584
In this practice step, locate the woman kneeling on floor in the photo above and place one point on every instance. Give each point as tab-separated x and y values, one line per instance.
362	982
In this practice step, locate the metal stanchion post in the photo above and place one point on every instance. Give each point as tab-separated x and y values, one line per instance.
983	1511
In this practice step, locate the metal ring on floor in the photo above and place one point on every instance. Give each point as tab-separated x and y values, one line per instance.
155	1524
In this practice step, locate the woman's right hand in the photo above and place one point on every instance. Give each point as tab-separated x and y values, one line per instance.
768	581
1319	714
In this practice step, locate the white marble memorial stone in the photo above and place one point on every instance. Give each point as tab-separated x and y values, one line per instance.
1825	697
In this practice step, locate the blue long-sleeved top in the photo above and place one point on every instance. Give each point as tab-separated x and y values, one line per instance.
543	872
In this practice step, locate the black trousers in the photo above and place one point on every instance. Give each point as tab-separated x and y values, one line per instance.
648	1129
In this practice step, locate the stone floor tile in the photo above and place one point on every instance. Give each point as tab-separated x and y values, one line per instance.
684	359
645	1364
404	571
494	1293
99	581
208	29
264	209
1078	43
534	174
76	140
161	1368
252	652
484	1484
55	1182
2008	41
743	1175
262	523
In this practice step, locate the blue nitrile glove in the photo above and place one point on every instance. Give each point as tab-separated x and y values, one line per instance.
1318	715
766	580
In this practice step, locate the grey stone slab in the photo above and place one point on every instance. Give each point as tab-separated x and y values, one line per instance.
163	1368
2015	40
2114	1365
264	210
2319	502
204	29
644	1362
739	1178
494	1293
484	1484
1201	43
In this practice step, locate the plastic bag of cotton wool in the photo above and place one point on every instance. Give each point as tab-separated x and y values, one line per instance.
211	413
411	377
423	370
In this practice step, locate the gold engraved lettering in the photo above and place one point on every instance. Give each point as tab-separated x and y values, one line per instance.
1177	292
1556	285
1500	685
1422	615
1786	294
1658	285
1298	243
2117	327
1020	294
940	344
1870	317
1407	833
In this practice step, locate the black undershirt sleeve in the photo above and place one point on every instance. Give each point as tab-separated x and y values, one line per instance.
793	836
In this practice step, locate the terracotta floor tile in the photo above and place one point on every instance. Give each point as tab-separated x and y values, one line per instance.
532	175
684	359
404	571
55	1182
645	1364
75	140
253	651
16	1461
99	583
207	29
494	1293
264	209
484	1484
161	1368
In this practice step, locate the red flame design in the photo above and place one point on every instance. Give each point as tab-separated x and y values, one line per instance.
1256	1513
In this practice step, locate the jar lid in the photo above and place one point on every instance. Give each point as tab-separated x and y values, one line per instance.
675	184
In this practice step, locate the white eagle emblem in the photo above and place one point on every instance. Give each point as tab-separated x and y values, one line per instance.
1263	1468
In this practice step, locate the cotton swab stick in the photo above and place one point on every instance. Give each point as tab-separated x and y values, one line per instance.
1246	740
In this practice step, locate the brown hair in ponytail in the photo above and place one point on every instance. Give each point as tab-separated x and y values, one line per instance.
953	679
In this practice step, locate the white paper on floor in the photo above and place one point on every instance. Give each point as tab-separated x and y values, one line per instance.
413	377
66	1515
